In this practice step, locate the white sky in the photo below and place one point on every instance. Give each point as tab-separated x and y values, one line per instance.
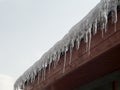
28	28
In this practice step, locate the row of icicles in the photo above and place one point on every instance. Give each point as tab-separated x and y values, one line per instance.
90	29
87	39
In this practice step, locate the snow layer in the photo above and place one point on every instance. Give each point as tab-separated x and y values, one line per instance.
98	17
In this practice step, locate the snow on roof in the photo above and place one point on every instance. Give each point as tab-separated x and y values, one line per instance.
98	17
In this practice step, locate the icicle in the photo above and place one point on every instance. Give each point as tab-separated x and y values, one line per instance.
31	77
70	55
90	37
72	42
114	12
58	57
49	66
44	73
105	21
50	62
88	33
102	32
34	74
104	16
86	37
115	20
89	42
95	27
57	60
105	25
38	78
86	40
105	13
64	61
78	42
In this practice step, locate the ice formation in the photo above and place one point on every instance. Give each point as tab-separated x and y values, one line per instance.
98	17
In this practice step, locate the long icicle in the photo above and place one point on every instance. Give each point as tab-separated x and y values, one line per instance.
58	58
89	42
49	67
70	55
86	40
44	73
116	17
64	62
54	62
78	42
115	21
114	12
95	27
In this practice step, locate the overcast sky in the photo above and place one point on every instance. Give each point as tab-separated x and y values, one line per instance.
28	28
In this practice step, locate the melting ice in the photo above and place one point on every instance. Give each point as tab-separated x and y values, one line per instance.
97	18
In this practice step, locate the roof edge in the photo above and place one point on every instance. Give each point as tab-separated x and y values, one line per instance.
97	17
